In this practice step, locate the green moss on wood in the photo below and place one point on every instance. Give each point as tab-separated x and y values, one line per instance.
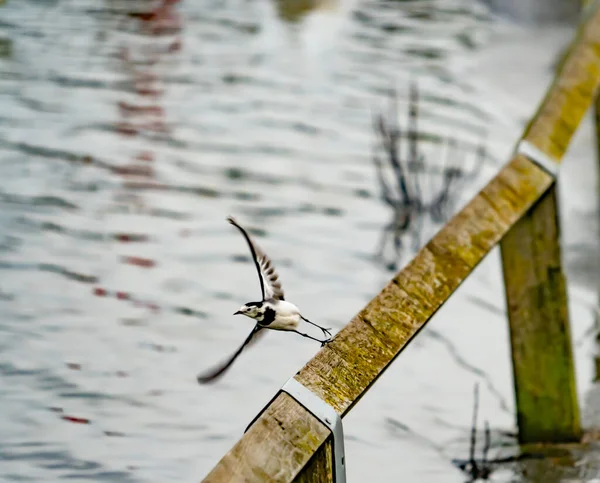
571	93
543	368
320	467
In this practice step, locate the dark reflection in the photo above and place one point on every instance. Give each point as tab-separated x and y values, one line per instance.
479	466
6	48
529	463
59	461
405	194
45	201
583	255
559	463
462	362
295	10
538	12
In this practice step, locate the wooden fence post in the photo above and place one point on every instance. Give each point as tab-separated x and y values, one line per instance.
543	368
319	468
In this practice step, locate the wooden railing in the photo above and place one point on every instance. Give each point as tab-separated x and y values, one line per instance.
517	209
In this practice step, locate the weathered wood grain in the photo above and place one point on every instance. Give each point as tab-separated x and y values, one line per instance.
544	375
275	447
320	467
571	93
344	369
284	438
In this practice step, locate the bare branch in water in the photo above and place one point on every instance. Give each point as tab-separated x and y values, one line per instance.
405	196
486	445
391	141
474	470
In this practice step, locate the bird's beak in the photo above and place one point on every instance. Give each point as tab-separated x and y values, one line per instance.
237	313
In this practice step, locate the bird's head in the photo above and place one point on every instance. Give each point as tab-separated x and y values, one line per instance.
254	310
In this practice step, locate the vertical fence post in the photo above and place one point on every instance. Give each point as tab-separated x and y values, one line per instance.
543	368
319	468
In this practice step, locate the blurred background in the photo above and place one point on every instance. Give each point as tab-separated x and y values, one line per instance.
343	134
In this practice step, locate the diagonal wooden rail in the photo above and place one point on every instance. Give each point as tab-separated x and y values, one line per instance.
517	209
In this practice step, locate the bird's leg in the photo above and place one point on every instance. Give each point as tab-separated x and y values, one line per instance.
325	331
323	342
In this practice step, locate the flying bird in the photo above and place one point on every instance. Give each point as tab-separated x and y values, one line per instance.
272	312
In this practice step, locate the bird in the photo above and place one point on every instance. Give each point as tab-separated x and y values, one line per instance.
271	312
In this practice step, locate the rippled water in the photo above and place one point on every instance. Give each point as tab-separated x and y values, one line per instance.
127	136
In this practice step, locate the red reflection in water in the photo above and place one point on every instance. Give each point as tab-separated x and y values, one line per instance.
74	419
139	261
130	237
143	116
147	304
128	109
145	156
134	170
146	91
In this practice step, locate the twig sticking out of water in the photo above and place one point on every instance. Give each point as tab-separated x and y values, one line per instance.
477	470
474	427
486	444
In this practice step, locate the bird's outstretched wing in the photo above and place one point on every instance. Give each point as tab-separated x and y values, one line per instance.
220	370
270	285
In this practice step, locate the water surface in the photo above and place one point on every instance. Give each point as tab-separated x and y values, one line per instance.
127	137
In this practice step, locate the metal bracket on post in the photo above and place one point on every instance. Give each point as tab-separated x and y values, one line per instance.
324	413
537	156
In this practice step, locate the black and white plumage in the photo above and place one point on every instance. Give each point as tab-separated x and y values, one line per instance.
272	312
